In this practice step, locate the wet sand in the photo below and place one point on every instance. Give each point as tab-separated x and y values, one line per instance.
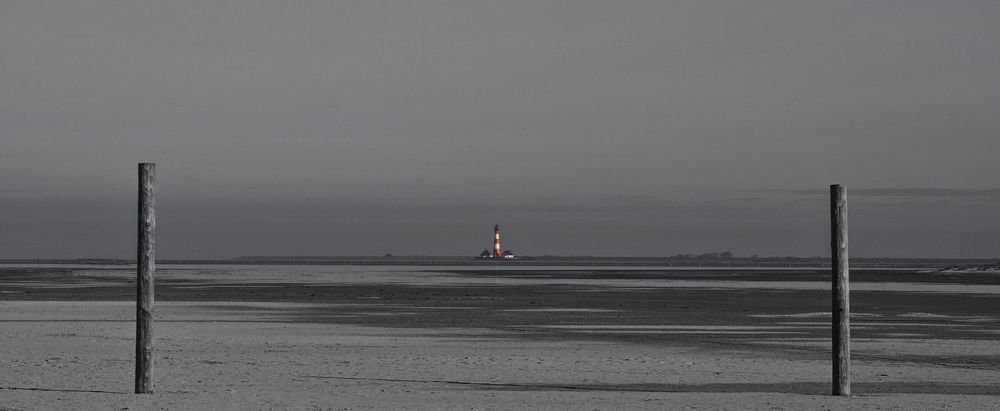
270	337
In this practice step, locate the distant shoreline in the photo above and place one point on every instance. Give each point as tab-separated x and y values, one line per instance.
770	262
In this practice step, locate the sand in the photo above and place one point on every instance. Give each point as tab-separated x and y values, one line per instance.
330	338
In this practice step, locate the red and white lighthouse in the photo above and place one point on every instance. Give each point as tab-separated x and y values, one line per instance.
497	251
496	240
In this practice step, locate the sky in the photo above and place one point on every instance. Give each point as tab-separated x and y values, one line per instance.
582	127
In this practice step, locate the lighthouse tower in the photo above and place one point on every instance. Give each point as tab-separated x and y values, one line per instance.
496	240
497	251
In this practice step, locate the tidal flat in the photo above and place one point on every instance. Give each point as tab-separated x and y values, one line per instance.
396	337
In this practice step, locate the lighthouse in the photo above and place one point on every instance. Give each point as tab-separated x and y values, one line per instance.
497	253
496	241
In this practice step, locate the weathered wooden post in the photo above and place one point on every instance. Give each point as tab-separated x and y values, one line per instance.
841	292
146	265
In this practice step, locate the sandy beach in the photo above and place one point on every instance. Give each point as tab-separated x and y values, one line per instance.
267	337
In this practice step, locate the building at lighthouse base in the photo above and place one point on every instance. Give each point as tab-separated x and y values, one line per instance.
507	254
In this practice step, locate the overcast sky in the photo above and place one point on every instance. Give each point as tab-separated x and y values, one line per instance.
581	127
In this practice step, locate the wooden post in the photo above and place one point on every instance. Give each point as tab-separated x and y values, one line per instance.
841	292
146	265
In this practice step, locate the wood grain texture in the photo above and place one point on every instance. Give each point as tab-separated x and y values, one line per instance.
146	266
841	292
